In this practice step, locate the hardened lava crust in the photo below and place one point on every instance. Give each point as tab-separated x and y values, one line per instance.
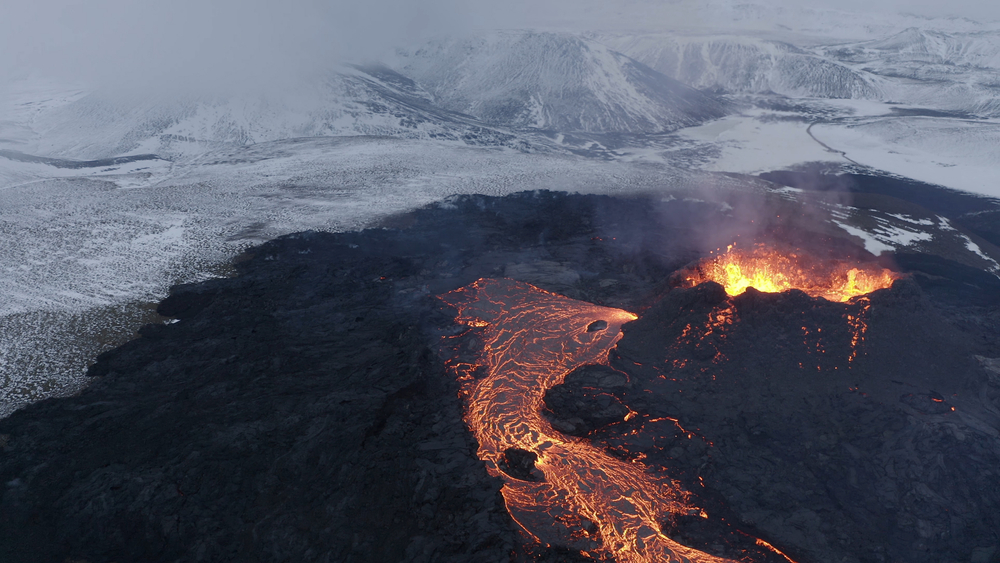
304	409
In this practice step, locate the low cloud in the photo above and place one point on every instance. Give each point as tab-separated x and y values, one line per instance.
238	43
214	42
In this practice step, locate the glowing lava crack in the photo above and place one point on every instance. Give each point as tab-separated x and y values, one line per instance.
584	499
771	271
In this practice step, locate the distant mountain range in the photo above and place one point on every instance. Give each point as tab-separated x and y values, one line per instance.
958	71
488	91
527	91
369	100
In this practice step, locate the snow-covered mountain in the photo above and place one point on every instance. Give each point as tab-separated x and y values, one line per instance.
913	47
955	71
371	100
500	88
744	64
554	81
487	91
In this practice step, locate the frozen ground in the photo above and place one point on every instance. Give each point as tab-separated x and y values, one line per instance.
957	153
758	141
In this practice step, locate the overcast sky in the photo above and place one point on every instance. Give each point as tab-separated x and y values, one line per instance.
974	9
226	41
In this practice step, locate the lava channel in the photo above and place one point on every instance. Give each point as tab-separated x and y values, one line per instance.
575	495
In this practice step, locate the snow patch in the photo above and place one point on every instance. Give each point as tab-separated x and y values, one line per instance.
536	112
884	236
974	248
900	236
910	219
955	153
944	224
872	243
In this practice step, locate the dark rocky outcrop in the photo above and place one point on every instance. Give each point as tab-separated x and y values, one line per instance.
583	404
520	464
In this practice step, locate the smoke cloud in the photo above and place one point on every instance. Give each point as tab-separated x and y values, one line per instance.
213	42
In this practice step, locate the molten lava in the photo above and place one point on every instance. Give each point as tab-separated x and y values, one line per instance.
576	494
770	271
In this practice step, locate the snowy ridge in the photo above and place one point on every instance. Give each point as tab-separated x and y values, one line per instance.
926	46
952	71
957	72
554	81
743	64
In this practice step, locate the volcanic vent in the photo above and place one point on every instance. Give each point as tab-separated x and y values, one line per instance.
766	269
772	271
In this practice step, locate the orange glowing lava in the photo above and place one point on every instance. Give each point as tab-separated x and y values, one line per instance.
584	499
770	271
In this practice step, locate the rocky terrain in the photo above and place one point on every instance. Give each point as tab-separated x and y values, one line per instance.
301	410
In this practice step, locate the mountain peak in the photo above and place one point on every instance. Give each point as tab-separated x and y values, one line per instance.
555	81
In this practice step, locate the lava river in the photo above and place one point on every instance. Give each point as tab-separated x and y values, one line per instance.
584	499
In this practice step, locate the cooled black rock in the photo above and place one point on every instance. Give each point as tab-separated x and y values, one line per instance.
301	411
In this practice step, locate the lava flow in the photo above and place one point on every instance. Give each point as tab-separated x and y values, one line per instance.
771	271
575	495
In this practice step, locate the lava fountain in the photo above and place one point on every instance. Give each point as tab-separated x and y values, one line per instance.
575	494
771	271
